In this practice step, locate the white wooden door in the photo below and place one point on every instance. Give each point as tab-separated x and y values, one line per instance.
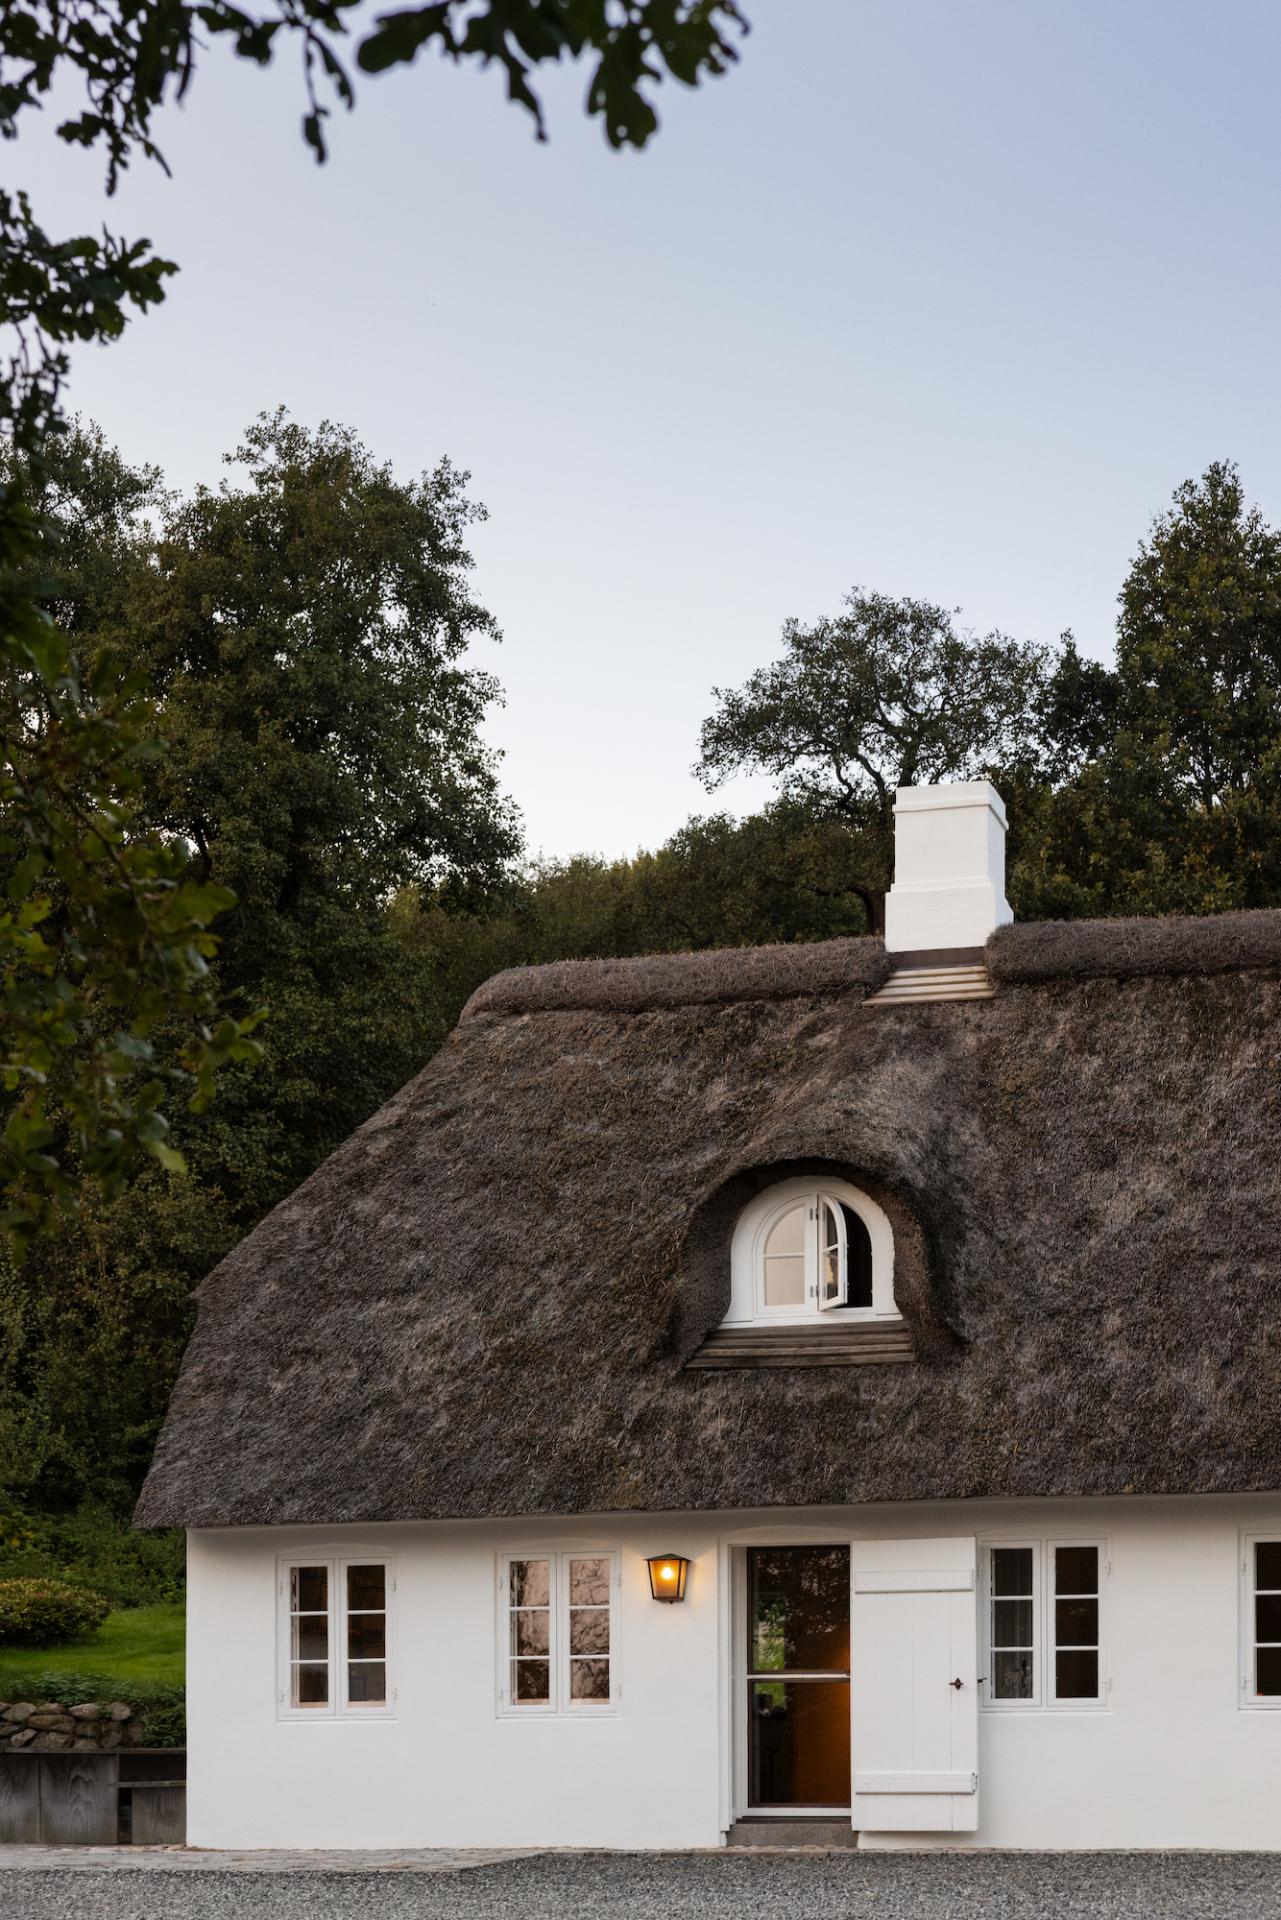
915	1729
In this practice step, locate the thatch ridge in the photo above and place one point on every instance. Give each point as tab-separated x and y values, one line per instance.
1041	950
481	1304
709	978
1126	948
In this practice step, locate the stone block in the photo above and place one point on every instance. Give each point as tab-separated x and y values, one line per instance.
20	1711
23	1737
51	1742
50	1720
87	1710
118	1710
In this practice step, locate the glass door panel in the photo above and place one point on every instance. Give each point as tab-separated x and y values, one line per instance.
798	1692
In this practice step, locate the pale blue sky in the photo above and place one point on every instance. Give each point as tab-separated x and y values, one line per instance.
939	296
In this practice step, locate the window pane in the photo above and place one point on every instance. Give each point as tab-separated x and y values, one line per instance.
367	1636
858	1258
1267	1617
589	1680
1011	1623
309	1589
311	1686
831	1273
1012	1676
367	1683
1267	1670
1076	1569
785	1282
799	1609
589	1583
1012	1570
1076	1623
1076	1675
531	1632
1267	1564
799	1743
589	1630
531	1682
366	1587
530	1583
310	1636
787	1235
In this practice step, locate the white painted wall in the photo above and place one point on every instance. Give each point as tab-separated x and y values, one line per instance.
1172	1760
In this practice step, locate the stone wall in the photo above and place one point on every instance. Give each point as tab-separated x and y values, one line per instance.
46	1726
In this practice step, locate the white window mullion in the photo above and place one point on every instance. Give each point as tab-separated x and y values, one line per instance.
580	1587
1012	1625
1075	1577
1261	1621
298	1640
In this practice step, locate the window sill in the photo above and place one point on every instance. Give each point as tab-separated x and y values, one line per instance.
869	1343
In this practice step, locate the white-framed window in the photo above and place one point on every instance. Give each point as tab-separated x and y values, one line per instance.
808	1248
1261	1620
557	1651
1043	1624
335	1637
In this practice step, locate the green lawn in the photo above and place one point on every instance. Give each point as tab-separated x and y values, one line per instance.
140	1644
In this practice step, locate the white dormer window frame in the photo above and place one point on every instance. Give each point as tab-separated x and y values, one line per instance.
794	1269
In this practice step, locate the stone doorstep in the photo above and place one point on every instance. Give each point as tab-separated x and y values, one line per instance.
791	1836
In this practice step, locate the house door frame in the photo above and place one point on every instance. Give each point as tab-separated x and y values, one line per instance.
739	1728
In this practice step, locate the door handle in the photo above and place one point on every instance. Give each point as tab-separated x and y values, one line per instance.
958	1684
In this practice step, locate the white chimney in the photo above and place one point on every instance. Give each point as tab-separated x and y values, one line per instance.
949	868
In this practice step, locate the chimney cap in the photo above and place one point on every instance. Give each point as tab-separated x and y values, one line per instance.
954	793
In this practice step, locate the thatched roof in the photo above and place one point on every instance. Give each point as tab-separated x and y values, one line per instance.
482	1304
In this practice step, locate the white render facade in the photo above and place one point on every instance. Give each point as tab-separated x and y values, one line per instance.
1175	1752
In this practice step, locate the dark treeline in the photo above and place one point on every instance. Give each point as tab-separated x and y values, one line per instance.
304	628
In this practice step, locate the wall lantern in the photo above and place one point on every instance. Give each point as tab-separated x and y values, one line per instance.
667	1576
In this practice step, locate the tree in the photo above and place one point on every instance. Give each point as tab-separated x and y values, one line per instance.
131	57
717	882
1174	804
304	628
104	933
132	934
885	695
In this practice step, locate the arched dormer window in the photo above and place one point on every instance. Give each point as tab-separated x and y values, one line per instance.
807	1248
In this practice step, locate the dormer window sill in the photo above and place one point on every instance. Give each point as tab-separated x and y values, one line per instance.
867	1343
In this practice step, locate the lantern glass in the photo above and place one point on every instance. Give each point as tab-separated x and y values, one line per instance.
667	1573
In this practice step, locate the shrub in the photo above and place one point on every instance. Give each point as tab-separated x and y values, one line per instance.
162	1720
47	1613
95	1550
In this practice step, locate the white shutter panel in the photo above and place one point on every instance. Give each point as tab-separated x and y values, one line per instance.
915	1732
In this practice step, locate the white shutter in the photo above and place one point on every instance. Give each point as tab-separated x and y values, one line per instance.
915	1732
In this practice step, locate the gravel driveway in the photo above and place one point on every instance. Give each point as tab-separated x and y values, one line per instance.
765	1886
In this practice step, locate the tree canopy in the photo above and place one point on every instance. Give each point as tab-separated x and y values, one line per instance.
134	930
886	694
303	627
